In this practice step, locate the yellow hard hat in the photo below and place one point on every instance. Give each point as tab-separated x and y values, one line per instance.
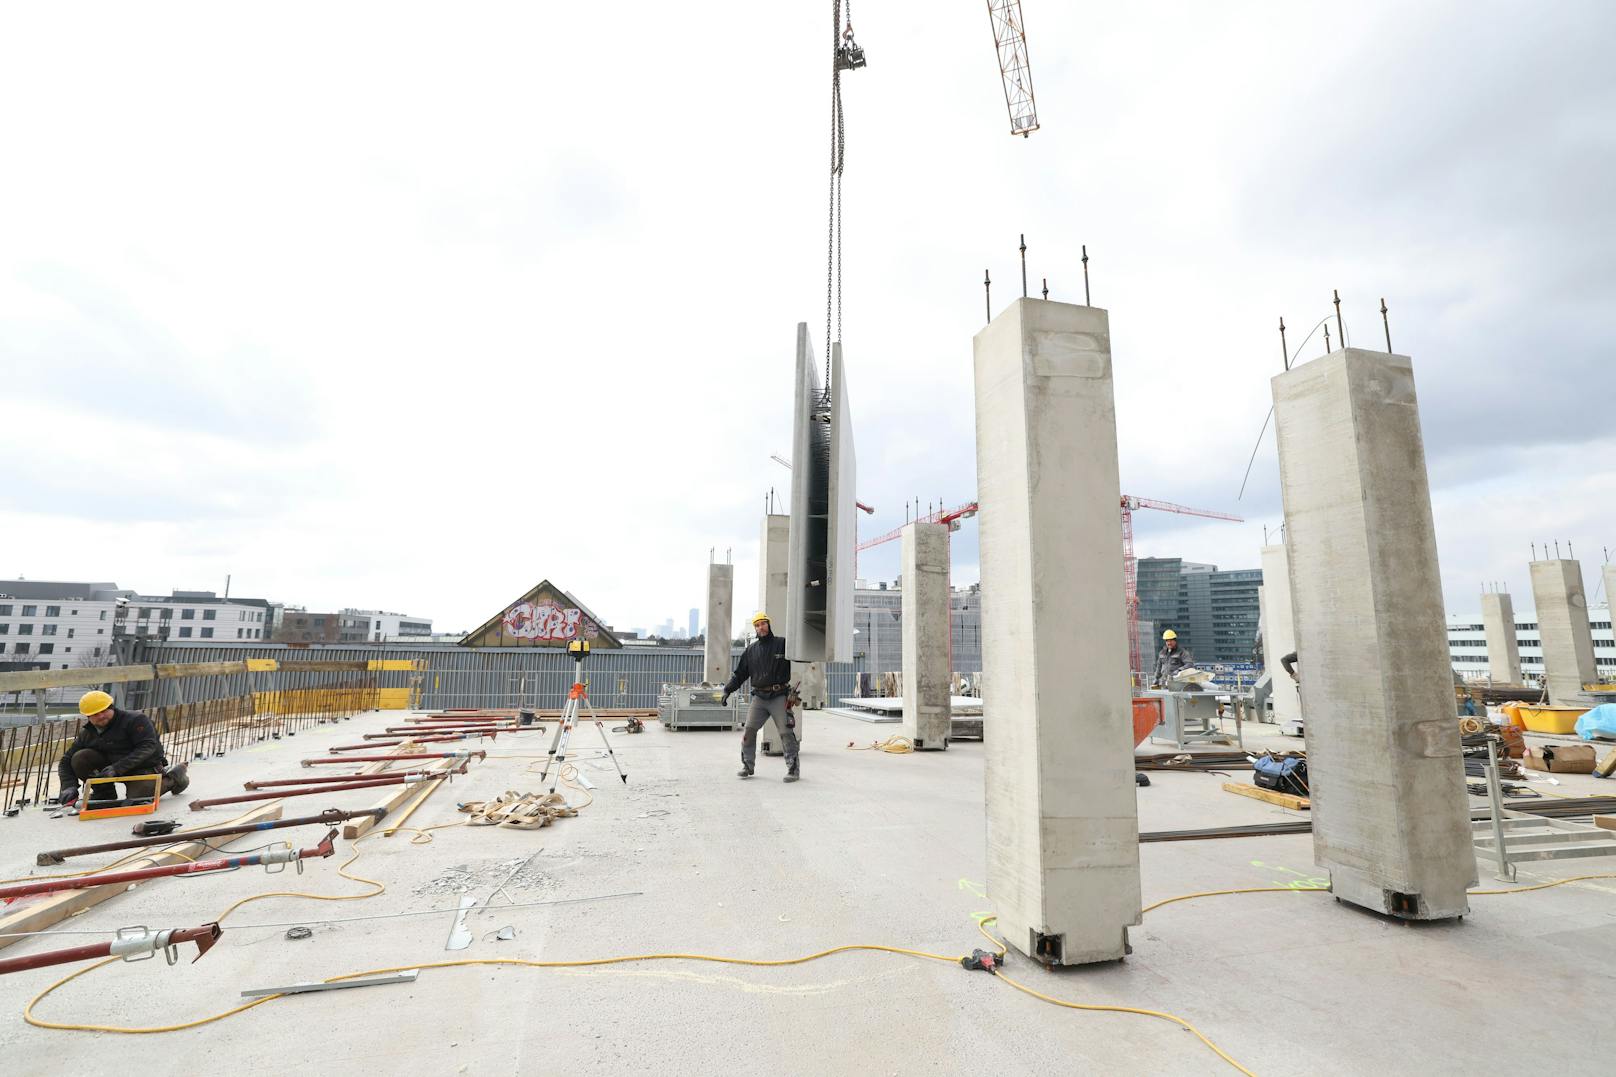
94	702
1169	634
759	616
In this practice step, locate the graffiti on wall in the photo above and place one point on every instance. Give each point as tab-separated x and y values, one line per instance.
546	621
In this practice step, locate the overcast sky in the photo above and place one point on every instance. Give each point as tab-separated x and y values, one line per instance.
410	306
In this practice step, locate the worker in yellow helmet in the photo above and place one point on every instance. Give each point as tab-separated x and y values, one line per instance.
113	742
1171	661
764	662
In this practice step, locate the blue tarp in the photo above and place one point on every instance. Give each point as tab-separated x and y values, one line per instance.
1599	722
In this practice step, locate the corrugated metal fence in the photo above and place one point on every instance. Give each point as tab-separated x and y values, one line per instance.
456	676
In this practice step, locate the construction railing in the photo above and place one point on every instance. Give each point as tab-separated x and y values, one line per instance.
201	709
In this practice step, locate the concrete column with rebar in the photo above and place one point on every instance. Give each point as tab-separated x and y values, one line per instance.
1062	821
927	711
720	599
1503	649
1562	626
1390	819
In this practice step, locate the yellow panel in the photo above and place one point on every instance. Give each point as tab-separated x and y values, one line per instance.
392	664
392	699
261	665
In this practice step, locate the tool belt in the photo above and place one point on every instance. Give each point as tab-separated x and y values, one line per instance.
770	691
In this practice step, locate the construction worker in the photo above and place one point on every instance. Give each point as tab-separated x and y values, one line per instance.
114	742
1172	660
764	662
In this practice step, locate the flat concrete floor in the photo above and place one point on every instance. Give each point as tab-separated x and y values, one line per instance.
868	848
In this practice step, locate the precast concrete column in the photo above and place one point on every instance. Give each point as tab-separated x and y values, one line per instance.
810	678
774	553
1062	821
1503	649
720	596
1390	820
774	557
1279	633
927	712
1562	625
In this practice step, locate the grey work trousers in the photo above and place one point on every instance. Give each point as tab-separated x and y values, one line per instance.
757	714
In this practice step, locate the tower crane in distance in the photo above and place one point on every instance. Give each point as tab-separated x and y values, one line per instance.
1130	564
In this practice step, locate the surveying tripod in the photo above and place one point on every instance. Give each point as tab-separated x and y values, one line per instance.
577	697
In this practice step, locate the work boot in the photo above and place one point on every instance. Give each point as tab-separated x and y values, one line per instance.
791	773
744	772
177	778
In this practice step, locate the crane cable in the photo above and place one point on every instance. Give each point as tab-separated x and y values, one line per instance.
838	146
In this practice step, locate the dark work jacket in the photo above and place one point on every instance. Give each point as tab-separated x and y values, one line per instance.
764	662
1170	662
129	744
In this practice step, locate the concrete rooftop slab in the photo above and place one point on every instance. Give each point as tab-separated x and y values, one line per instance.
868	848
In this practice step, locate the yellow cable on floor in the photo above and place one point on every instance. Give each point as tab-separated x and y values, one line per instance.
894	745
1242	890
1539	886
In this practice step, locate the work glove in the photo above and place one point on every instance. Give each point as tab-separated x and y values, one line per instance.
68	796
724	699
107	772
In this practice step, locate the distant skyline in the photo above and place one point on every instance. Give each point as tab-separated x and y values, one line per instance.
399	335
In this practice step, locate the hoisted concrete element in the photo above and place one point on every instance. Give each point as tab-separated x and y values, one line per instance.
1062	822
927	709
1390	819
819	592
1279	634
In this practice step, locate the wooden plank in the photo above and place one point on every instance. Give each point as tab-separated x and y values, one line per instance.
172	670
1284	800
324	666
54	908
27	680
1606	821
358	828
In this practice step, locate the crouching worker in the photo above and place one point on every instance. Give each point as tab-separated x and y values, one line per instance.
111	743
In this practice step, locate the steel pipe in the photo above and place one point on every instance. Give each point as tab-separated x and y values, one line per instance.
316	779
124	946
373	745
463	754
367	783
329	817
85	882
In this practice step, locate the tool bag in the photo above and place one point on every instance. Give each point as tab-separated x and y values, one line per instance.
1281	773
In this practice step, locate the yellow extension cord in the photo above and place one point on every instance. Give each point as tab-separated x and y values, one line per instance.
423	835
893	745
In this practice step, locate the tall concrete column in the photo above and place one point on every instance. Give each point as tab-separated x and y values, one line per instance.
1503	649
1390	820
1062	820
1562	625
928	715
720	596
774	553
774	557
1279	633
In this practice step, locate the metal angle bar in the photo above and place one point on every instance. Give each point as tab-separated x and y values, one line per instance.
340	985
460	934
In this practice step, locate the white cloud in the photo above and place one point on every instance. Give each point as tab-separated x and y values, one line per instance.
395	306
